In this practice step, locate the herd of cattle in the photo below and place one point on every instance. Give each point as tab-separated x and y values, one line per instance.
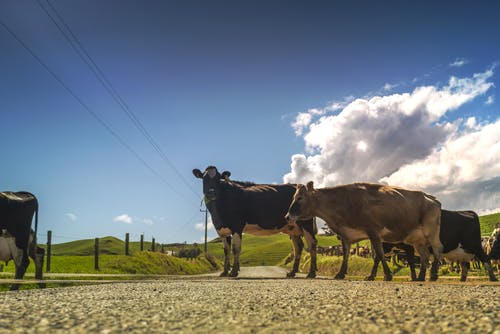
390	217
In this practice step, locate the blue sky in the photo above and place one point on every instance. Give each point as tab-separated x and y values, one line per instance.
248	87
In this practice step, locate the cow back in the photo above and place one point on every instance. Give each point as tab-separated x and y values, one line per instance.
16	213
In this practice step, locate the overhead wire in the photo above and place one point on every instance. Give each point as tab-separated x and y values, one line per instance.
101	121
84	55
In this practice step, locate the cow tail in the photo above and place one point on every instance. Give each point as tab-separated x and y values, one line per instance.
36	220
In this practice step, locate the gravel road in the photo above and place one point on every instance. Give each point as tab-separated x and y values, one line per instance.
255	303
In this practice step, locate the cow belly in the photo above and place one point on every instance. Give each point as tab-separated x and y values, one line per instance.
458	254
353	235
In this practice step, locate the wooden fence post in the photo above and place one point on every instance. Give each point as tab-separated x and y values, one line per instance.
142	242
126	244
49	250
153	245
96	254
162	248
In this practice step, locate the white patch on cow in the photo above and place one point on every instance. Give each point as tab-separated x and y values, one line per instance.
212	172
237	242
459	254
224	232
352	234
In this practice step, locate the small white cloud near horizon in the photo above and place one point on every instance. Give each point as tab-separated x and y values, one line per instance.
459	62
201	226
490	100
123	219
388	87
71	216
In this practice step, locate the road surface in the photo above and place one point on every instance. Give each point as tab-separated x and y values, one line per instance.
257	302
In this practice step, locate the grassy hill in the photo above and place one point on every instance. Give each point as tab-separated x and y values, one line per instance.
269	250
488	223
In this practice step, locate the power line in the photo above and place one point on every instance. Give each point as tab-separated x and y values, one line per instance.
78	47
87	109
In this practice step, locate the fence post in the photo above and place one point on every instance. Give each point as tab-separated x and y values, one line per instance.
153	245
142	242
49	250
96	254
162	248
126	244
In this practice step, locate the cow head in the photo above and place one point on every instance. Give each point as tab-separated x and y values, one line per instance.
302	204
212	181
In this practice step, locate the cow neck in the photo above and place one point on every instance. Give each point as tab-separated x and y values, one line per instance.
214	212
321	196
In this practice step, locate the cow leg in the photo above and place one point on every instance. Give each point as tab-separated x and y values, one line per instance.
379	251
373	273
21	261
410	256
298	245
465	268
346	246
424	258
312	244
227	253
236	255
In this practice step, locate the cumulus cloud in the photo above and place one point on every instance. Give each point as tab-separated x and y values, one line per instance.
459	62
123	219
402	139
71	216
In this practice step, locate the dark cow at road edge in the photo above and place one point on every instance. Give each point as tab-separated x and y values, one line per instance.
258	209
460	235
461	238
17	239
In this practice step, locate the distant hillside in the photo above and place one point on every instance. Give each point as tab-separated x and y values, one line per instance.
269	250
488	223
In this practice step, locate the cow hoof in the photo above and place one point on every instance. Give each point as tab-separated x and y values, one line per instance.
311	275
224	274
369	278
433	278
388	278
493	279
291	274
339	276
463	279
233	274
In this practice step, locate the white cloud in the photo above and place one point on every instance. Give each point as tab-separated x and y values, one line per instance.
201	226
459	62
123	219
71	216
388	87
402	139
490	100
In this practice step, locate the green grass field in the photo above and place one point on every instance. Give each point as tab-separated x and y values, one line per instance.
77	256
488	223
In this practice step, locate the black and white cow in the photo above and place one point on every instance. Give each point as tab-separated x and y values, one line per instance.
10	251
460	235
258	209
17	239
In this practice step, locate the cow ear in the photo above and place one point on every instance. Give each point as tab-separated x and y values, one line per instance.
310	186
197	173
225	175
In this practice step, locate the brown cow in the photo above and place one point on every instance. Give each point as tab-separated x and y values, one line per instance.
372	211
